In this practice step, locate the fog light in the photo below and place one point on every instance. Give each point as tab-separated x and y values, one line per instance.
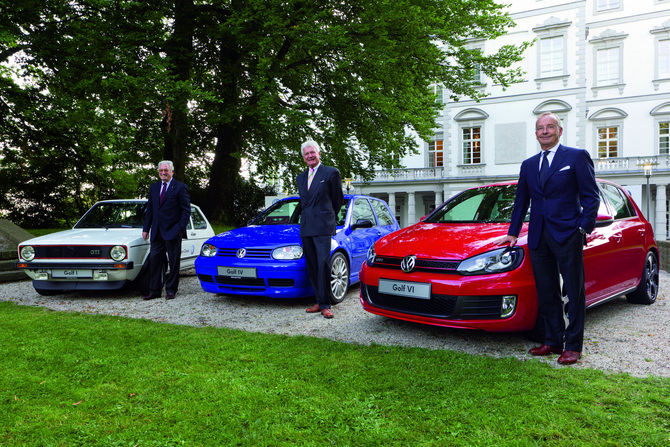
100	276
508	306
41	276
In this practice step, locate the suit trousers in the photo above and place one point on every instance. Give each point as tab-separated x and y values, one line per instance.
317	257
548	260
159	248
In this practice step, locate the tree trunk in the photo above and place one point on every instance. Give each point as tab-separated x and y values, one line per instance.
224	173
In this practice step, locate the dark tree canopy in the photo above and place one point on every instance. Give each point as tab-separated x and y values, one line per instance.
93	93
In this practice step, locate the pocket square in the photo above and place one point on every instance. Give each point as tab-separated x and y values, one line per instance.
564	168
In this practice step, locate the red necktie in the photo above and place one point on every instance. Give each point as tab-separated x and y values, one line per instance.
160	199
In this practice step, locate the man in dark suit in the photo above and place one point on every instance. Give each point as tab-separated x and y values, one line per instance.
321	197
559	184
167	215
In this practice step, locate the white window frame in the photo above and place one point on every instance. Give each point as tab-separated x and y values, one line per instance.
609	40
619	139
602	6
554	29
463	141
663	136
432	151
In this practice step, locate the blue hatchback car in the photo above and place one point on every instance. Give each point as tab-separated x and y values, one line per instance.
266	258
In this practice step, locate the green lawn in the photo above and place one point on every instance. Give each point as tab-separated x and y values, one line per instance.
73	379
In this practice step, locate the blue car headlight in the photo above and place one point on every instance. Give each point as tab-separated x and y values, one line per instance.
496	261
208	250
288	253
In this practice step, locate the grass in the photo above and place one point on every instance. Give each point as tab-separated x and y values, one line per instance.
71	379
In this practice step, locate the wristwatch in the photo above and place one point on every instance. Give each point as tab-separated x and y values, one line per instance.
581	230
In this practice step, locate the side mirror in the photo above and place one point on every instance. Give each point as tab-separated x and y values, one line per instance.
362	223
604	220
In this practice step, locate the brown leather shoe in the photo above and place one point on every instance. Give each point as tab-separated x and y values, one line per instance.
327	313
545	350
569	357
150	296
314	309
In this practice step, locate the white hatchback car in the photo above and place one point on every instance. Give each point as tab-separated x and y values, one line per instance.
104	250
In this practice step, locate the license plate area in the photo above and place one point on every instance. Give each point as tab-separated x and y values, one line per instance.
71	273
237	272
419	290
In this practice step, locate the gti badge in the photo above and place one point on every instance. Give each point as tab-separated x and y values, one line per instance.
408	263
241	253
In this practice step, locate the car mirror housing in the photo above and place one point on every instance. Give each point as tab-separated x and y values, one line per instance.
604	220
362	223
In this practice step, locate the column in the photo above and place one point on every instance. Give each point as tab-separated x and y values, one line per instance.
438	199
392	205
411	209
661	213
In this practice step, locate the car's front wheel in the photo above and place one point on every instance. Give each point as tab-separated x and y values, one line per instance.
339	278
647	291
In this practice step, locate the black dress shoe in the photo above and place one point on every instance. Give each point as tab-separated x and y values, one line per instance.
169	296
150	296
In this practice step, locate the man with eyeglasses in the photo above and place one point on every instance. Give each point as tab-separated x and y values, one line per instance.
167	215
560	187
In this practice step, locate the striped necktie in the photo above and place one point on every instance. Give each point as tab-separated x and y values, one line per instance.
309	179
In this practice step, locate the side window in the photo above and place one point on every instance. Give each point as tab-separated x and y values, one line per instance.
383	213
199	222
618	200
362	210
342	215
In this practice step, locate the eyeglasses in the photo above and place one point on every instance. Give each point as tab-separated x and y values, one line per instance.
547	127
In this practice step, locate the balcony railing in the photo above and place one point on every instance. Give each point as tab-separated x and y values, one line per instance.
632	165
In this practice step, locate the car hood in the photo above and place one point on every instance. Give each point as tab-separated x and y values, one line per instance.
258	236
89	236
445	241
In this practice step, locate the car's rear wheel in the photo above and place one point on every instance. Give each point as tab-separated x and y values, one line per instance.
647	291
339	278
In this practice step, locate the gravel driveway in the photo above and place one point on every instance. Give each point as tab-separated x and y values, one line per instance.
619	337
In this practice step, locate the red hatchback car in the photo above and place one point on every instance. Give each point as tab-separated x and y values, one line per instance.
448	271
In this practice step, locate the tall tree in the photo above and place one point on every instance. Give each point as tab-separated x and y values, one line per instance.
209	82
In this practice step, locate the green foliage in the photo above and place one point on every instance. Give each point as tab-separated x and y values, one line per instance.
94	93
97	380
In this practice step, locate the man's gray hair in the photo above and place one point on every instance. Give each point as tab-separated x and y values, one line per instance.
309	143
167	162
553	115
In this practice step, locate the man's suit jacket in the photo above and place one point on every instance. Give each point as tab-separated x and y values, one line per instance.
170	217
568	200
321	203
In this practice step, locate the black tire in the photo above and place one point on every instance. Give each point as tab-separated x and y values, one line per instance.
647	290
339	278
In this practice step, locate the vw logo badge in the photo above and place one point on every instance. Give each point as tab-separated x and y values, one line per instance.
408	263
241	253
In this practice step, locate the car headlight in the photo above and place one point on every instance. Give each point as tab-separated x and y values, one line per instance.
371	255
496	261
208	250
118	253
290	252
27	253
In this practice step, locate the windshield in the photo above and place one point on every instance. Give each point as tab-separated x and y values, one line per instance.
287	212
114	215
488	204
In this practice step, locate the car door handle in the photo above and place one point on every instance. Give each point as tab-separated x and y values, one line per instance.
617	237
641	232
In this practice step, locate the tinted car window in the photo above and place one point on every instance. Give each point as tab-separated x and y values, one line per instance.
362	210
342	215
383	213
279	213
490	204
199	221
620	204
114	215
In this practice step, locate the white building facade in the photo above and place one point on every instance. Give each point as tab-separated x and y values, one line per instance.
602	65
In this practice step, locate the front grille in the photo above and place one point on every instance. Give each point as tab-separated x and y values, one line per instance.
438	306
280	282
252	253
240	281
426	265
72	251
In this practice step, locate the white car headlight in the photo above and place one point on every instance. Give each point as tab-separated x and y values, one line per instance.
27	253
288	253
118	253
496	261
208	250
